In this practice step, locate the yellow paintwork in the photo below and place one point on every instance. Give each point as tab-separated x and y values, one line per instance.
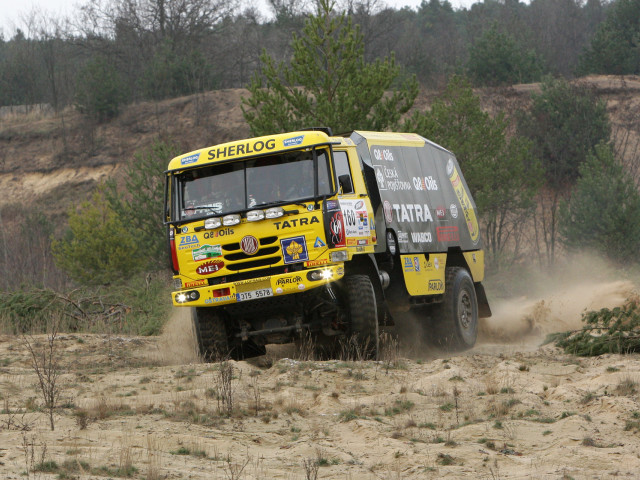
428	278
248	148
475	262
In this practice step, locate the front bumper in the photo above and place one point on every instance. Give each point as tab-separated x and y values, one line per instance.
257	288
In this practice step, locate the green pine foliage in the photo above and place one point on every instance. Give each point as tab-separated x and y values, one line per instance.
140	201
607	330
615	47
497	59
99	248
603	214
99	90
328	82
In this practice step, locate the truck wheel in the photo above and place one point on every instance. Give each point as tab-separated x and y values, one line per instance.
363	314
455	322
211	334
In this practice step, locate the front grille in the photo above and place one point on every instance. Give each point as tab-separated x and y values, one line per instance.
267	255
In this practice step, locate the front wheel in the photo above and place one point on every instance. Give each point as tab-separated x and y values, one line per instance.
363	315
455	322
211	334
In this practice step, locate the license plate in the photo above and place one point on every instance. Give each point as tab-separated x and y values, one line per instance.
254	294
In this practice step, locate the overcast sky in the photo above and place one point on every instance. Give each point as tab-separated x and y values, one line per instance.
12	10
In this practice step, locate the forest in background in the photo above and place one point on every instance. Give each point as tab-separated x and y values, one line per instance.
155	49
540	173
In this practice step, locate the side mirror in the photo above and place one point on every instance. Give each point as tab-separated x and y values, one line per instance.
345	183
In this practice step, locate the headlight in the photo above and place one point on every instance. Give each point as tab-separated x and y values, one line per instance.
339	256
229	220
255	215
181	298
274	212
211	223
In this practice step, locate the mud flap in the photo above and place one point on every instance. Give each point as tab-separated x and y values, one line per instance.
484	311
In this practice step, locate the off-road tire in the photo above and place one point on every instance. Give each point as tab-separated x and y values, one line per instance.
363	314
454	324
211	334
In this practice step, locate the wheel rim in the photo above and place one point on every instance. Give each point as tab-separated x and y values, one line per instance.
465	309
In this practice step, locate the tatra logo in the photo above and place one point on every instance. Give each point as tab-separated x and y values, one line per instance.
249	244
296	222
412	212
219	233
241	149
210	267
287	281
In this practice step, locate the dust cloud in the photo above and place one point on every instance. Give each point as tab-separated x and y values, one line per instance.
555	302
177	344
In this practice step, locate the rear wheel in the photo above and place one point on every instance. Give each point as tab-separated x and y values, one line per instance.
455	322
363	315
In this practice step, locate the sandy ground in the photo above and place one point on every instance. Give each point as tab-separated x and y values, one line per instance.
508	409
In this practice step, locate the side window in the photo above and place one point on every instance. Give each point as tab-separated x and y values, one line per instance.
342	168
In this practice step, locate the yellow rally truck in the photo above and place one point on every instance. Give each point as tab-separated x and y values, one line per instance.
276	238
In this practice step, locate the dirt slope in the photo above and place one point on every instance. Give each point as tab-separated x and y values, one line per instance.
507	409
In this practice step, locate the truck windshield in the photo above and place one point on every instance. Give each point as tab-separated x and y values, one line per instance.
234	187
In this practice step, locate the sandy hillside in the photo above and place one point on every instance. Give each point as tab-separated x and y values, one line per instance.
508	409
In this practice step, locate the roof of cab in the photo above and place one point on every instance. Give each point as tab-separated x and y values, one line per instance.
250	147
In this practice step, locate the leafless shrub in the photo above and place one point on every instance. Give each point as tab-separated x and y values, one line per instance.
255	390
18	421
233	470
311	467
45	360
306	347
224	384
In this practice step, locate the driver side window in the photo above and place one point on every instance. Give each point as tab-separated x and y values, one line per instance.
342	168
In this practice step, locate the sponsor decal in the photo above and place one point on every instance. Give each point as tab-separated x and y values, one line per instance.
195	283
316	263
408	264
388	211
219	299
467	208
319	243
289	280
310	207
331	204
356	222
385	154
363	241
245	148
251	280
188	242
447	234
441	212
453	210
435	285
388	179
425	183
205	252
421	237
185	229
412	212
416	263
294	249
336	227
403	237
351	242
359	249
293	141
249	244
473	256
295	222
219	233
359	205
190	159
210	267
436	263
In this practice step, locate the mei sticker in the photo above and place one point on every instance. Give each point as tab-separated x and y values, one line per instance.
294	249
